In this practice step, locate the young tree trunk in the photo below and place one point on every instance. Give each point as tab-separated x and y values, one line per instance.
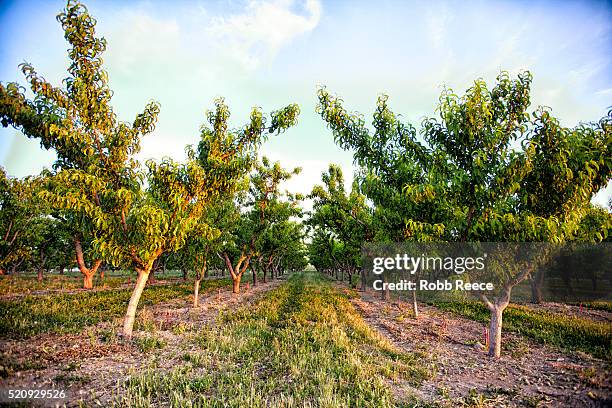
196	287
497	308
238	271
363	280
536	282
254	275
15	266
196	292
102	271
342	275
40	274
130	315
495	330
265	270
415	306
184	271
151	279
61	269
236	284
384	294
88	273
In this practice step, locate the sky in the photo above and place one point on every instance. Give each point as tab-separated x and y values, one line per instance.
270	53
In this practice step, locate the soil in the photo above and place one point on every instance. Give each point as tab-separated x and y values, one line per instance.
98	359
93	365
527	374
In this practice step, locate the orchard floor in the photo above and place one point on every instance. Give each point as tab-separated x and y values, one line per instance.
528	374
91	365
435	361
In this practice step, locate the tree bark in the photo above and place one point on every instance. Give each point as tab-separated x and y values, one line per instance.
151	279
497	308
130	315
495	331
237	271
88	273
196	292
415	306
196	287
236	285
363	280
40	274
384	294
537	282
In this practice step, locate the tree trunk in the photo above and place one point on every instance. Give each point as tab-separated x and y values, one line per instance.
88	280
102	273
363	280
130	315
236	284
196	292
384	294
14	267
254	276
537	281
495	330
61	269
264	275
40	275
88	273
415	306
497	308
151	279
184	274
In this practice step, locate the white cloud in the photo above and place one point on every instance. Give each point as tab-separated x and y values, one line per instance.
263	29
140	39
438	19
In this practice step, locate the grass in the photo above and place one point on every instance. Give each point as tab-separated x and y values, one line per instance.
567	332
600	305
69	313
302	344
26	282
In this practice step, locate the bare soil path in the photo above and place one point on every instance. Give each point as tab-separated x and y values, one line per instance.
527	374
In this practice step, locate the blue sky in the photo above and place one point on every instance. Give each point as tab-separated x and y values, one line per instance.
269	53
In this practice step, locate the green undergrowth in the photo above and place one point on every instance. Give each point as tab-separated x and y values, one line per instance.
68	313
26	282
570	333
302	344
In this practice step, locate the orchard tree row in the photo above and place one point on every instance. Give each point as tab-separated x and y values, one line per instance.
486	169
221	202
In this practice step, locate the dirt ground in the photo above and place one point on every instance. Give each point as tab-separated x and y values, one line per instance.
92	365
527	374
98	359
